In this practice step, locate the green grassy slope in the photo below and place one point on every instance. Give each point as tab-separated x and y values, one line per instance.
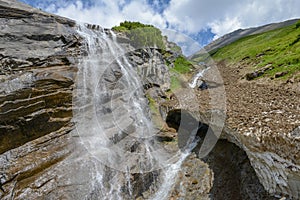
271	52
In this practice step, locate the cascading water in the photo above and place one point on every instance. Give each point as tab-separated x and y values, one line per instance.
200	74
113	122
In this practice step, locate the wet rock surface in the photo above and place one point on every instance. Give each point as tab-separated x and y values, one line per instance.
37	72
194	180
151	67
36	75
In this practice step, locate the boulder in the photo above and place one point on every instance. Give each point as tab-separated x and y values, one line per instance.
280	74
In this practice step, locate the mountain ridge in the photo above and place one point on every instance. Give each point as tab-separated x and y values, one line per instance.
240	33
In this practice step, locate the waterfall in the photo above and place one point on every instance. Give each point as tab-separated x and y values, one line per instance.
114	125
170	174
200	74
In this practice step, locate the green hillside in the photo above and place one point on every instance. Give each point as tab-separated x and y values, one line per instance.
273	54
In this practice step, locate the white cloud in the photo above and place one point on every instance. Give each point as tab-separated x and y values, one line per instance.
191	16
111	13
188	45
222	27
141	11
185	16
106	15
225	16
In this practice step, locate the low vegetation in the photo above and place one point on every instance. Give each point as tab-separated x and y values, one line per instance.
175	82
182	65
279	49
180	69
298	24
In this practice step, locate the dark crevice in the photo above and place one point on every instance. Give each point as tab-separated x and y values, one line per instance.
14	13
234	177
47	37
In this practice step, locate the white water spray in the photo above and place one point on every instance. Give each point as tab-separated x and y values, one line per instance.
200	74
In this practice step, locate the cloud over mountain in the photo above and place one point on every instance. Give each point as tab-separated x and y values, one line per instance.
191	17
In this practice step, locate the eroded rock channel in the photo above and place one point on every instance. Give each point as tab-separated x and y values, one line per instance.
233	175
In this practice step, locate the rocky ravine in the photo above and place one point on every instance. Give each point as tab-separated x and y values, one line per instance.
41	157
263	119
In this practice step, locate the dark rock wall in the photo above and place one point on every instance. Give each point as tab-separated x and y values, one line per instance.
234	177
37	69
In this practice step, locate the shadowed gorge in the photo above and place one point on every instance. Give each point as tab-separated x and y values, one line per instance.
234	177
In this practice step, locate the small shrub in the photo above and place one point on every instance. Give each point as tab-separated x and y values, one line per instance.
295	41
127	25
182	65
298	24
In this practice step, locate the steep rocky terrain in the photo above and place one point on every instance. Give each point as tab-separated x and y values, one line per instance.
263	120
36	75
262	111
43	157
38	66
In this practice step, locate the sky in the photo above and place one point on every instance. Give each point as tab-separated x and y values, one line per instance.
190	23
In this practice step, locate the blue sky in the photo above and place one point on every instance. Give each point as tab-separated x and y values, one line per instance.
196	21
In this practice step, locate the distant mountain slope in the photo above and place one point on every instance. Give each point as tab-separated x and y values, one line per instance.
240	33
274	54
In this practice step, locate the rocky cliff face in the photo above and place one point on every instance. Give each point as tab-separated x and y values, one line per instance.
263	120
38	66
37	70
